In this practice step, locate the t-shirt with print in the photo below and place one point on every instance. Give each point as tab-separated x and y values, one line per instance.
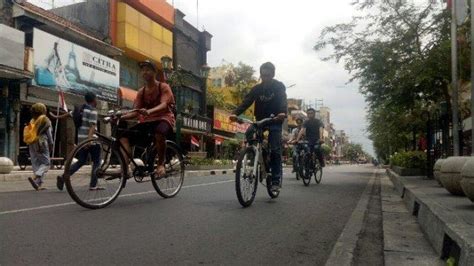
89	119
312	127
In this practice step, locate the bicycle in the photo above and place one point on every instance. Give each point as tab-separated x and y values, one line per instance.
113	172
309	164
253	165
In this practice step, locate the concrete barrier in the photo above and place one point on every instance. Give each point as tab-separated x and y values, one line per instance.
467	181
6	165
451	174
437	170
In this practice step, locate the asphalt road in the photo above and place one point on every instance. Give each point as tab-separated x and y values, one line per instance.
204	224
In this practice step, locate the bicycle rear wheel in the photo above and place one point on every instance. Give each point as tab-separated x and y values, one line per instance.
78	176
245	181
169	185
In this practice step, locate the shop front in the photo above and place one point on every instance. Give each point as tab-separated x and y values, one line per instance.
14	74
228	137
63	66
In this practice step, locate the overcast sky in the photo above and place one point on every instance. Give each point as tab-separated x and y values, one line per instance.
284	33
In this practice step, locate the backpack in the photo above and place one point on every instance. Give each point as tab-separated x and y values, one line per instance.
30	133
77	115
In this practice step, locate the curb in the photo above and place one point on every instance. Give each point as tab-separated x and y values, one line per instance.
447	233
343	251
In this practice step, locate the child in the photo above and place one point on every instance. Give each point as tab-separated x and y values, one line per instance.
39	150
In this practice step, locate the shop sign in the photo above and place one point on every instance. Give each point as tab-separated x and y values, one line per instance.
222	122
72	68
200	124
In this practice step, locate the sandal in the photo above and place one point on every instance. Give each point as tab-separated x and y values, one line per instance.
160	172
33	183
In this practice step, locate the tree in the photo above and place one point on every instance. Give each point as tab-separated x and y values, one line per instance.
399	53
352	151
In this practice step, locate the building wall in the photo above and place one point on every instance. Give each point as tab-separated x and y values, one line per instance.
6	12
92	15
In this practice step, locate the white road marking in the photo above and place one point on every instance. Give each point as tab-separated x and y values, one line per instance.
121	196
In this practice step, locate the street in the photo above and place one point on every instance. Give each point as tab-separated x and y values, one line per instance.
204	224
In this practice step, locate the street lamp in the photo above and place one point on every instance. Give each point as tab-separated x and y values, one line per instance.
166	63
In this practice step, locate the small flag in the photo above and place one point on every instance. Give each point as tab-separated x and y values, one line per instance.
195	141
62	101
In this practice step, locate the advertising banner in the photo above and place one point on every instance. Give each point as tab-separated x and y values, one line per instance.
222	122
73	68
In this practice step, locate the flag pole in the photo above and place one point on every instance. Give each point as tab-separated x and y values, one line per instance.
56	126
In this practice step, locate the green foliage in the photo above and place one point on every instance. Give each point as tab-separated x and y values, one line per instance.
410	159
399	54
326	149
352	151
209	161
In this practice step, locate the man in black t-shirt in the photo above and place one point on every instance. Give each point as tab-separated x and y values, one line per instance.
312	130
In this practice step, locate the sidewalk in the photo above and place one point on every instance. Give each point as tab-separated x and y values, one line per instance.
447	221
404	242
17	180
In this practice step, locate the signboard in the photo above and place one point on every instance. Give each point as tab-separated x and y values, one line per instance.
73	68
196	123
222	122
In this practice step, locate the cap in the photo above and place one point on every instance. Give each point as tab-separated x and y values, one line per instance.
148	63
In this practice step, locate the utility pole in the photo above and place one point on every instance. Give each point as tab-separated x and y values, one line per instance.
454	74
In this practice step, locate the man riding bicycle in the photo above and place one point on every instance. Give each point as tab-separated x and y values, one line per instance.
294	136
154	104
270	99
312	130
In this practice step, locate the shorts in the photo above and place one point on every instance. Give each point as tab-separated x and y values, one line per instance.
143	133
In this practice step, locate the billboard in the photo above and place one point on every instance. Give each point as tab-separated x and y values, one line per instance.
223	123
73	68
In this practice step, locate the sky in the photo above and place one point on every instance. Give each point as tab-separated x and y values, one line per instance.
283	32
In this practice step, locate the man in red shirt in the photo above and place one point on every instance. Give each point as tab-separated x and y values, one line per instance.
155	102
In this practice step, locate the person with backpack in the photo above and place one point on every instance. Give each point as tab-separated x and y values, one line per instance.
85	130
38	135
155	105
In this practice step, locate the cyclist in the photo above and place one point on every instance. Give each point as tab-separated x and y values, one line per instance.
270	99
312	130
155	103
294	136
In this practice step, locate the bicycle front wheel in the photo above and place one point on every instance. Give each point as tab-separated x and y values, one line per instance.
169	185
246	181
88	177
318	174
306	169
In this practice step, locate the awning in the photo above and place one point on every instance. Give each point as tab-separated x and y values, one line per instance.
125	93
13	73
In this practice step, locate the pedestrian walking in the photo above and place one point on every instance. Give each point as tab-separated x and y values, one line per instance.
38	136
87	125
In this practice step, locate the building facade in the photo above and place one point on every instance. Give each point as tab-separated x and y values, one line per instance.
63	57
153	29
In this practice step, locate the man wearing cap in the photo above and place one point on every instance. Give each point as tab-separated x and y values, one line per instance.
154	104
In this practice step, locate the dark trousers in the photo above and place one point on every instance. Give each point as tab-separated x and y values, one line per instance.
274	139
82	155
316	149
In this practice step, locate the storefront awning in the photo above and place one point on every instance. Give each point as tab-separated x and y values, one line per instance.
127	94
13	73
